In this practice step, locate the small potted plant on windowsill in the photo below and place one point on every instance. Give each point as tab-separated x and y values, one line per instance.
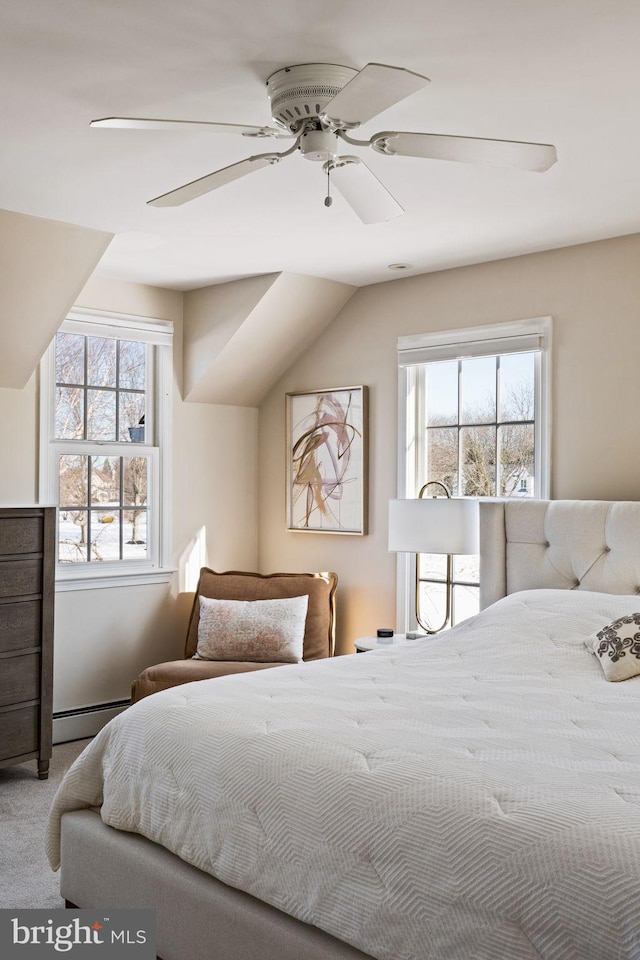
136	434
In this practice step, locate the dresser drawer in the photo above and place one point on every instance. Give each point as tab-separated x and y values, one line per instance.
20	577
19	678
21	535
18	731
27	589
20	625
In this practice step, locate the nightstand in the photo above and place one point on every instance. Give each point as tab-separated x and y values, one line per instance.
364	644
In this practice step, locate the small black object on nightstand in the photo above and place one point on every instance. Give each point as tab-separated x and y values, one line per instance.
384	632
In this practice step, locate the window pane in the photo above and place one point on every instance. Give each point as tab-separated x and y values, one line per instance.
478	461
478	390
101	362
136	473
136	544
69	413
105	481
466	603
516	460
132	365
442	456
72	536
433	566
517	386
101	415
433	602
132	410
73	490
467	568
105	534
69	358
442	394
135	481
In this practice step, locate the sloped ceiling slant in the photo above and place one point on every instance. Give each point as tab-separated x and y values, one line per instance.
240	337
45	264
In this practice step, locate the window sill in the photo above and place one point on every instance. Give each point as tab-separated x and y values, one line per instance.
90	580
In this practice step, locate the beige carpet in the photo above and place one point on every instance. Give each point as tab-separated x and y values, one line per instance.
26	879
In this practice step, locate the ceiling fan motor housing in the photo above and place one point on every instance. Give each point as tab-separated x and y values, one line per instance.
301	92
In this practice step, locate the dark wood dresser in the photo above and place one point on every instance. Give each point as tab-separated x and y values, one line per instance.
27	587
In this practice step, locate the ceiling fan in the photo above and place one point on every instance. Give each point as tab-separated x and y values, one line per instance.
318	105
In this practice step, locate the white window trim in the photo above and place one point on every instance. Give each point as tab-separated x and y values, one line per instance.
119	573
517	336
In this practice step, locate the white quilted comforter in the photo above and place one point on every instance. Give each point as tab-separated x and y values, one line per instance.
471	797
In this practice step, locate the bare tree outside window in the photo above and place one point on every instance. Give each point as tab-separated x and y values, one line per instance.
481	444
135	495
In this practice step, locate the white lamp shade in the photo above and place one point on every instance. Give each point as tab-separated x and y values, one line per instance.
433	525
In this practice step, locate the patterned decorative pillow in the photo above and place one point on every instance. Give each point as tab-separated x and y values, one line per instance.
617	647
260	631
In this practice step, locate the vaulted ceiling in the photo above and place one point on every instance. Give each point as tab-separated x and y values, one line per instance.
556	71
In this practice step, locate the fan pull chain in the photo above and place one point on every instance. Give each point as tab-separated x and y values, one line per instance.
328	200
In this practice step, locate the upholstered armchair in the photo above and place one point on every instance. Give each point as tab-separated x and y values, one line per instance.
319	625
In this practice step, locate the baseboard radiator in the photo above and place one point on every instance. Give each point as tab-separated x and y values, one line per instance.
85	721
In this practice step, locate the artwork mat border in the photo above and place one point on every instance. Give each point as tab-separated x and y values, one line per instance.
364	479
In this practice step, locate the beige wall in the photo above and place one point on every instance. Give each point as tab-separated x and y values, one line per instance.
229	462
104	637
18	444
592	292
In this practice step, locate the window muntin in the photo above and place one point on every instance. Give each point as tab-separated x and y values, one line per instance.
101	396
105	415
480	438
103	508
476	420
480	442
100	387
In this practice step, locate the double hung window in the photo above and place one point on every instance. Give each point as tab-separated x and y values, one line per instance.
474	415
105	408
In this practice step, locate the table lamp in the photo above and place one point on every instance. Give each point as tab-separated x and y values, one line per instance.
434	524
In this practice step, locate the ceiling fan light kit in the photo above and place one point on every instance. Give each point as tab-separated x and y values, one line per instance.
319	145
317	105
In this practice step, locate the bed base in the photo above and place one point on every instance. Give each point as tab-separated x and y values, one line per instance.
197	916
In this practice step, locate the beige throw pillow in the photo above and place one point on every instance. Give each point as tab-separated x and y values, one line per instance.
617	647
259	631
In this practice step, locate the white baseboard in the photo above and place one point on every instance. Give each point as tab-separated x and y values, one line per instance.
80	724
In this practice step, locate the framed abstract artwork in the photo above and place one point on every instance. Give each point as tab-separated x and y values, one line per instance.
327	460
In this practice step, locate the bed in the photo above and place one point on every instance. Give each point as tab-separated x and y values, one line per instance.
475	795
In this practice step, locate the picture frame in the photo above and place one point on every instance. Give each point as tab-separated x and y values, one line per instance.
327	460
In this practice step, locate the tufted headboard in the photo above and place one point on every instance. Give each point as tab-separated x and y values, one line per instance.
559	544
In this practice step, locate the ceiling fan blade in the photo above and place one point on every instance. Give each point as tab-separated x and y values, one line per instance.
139	123
212	181
362	190
434	146
375	88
